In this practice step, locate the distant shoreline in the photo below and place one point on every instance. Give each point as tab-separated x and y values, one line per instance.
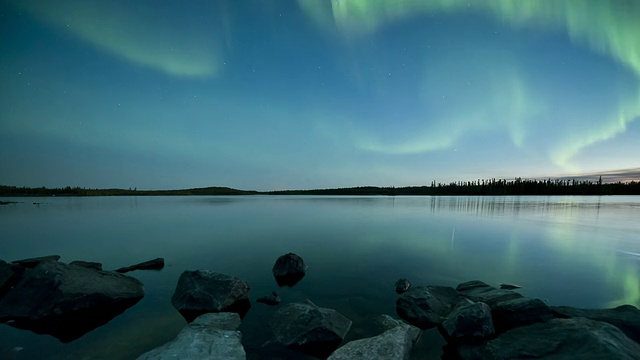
491	187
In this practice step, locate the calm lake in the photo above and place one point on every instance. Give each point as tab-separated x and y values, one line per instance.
576	251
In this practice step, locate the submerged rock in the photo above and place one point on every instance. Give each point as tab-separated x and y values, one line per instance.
155	264
67	301
87	264
203	291
402	285
468	323
309	328
577	338
426	306
210	336
289	269
271	299
625	317
30	263
394	343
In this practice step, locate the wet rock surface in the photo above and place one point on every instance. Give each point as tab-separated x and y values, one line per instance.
520	312
395	343
30	263
577	338
386	322
210	336
67	301
87	264
203	291
309	328
625	317
426	306
468	323
477	291
289	269
402	285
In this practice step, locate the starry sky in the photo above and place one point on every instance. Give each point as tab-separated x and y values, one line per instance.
276	94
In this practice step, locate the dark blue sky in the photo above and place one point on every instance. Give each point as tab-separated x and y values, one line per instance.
312	93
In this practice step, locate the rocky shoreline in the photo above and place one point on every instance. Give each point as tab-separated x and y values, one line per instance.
478	321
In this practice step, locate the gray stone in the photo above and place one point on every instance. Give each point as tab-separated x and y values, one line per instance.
509	286
67	301
309	328
477	291
7	276
30	263
468	323
155	264
402	285
203	291
210	336
426	306
577	338
87	264
394	343
289	269
520	312
625	317
386	322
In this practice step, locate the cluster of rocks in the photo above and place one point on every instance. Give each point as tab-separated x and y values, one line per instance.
478	321
47	296
482	322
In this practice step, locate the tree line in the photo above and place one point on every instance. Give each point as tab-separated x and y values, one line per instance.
517	186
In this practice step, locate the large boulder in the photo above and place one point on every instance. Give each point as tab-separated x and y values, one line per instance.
9	275
477	291
394	343
203	291
625	317
309	328
289	269
577	338
87	264
67	301
426	306
155	264
520	312
468	323
210	336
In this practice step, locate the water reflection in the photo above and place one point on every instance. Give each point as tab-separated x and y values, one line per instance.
576	251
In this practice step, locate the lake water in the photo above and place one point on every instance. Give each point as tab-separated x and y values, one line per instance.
576	251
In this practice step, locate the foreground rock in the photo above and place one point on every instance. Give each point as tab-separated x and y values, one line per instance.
289	269
386	322
468	323
309	328
67	301
9	275
395	343
426	306
577	338
30	263
203	291
477	291
625	317
155	264
210	336
520	312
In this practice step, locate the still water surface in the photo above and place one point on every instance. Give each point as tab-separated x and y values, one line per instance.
577	251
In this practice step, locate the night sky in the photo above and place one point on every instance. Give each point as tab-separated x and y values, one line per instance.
264	95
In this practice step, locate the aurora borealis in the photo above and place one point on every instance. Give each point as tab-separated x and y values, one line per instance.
315	93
